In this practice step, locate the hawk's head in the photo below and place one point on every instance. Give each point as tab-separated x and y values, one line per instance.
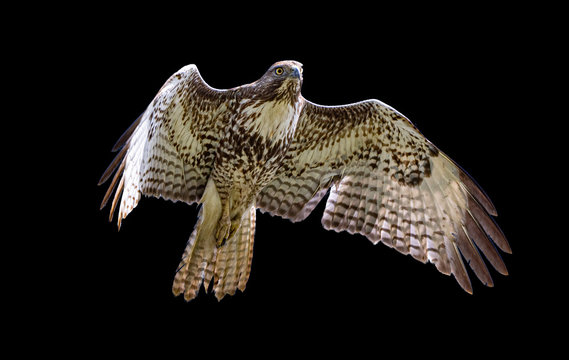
283	71
282	81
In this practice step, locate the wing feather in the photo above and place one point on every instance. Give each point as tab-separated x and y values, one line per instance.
390	184
168	151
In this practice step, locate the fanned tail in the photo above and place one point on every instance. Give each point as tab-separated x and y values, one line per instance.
229	265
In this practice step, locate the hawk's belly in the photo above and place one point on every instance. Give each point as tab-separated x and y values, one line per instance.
244	168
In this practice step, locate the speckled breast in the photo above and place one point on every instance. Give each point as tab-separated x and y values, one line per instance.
254	147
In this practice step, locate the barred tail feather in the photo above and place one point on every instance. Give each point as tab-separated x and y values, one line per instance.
233	264
228	265
188	279
201	249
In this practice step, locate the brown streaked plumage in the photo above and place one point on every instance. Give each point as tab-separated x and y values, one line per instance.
262	145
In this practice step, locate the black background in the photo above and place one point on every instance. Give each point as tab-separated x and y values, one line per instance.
454	72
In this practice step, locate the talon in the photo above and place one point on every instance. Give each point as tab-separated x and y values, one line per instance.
229	233
221	236
234	228
222	231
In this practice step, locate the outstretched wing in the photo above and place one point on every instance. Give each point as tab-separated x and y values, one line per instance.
388	183
169	151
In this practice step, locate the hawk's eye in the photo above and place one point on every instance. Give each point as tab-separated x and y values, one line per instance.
279	71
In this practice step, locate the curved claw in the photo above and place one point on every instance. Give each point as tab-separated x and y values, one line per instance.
226	231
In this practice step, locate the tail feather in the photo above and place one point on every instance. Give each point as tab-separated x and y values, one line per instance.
229	265
197	255
233	264
246	249
200	250
188	278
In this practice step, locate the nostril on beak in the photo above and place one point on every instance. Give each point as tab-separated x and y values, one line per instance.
295	72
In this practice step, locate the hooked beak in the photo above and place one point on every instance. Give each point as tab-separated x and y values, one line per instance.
295	73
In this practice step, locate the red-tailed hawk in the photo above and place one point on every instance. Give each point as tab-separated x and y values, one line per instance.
262	145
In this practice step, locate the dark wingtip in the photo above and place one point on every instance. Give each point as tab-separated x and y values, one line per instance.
477	192
127	134
113	165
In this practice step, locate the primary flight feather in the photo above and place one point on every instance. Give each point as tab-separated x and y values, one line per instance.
262	145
